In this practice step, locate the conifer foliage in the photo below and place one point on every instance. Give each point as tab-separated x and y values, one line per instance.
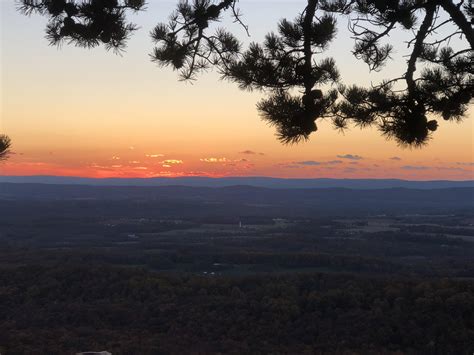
5	144
302	84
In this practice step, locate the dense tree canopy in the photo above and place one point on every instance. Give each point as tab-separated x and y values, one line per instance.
302	85
51	310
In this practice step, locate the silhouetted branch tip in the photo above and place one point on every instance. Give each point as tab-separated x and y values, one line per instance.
5	145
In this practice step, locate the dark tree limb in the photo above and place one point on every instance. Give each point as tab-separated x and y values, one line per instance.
418	49
460	20
308	52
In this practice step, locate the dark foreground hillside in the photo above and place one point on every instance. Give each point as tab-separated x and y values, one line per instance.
131	311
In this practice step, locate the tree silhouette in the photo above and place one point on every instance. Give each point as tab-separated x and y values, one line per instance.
5	144
302	86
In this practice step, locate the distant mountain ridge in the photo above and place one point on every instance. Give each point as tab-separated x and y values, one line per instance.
267	182
232	200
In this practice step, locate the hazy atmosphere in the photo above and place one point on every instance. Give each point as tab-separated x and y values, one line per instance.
93	113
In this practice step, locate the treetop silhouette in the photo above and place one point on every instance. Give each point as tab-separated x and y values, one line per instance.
5	144
303	85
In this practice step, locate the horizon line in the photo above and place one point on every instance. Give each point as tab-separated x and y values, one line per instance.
222	177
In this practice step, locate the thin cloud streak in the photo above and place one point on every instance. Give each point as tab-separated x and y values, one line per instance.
317	163
350	157
251	152
415	167
214	160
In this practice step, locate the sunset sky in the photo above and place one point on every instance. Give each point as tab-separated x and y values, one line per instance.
78	112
